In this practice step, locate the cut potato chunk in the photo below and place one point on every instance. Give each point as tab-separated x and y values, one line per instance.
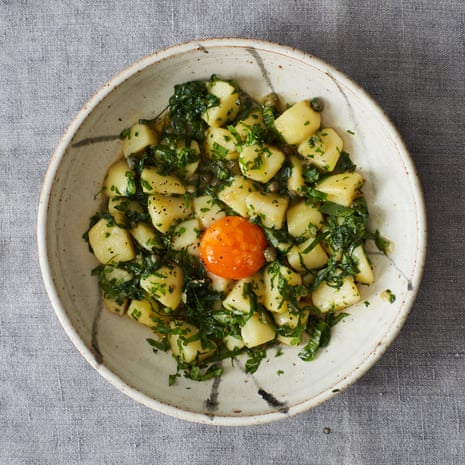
327	297
341	188
147	312
186	236
139	137
303	219
146	236
279	240
240	298
303	257
116	277
290	320
119	180
245	126
277	278
119	206
270	208
233	342
166	210
111	243
298	122
260	162
257	331
165	285
207	210
191	150
228	106
295	181
235	192
365	273
322	149
113	306
188	351
220	144
153	182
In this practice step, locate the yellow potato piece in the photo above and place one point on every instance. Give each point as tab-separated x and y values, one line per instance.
260	162
234	194
256	331
165	285
270	208
322	149
303	219
187	351
228	104
327	297
140	136
165	210
154	182
341	188
298	122
111	243
119	180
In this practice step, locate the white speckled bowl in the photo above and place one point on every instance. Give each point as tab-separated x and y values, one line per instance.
116	347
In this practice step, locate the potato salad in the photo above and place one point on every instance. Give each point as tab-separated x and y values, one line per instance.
232	224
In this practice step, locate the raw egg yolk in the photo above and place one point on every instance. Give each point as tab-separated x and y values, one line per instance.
233	248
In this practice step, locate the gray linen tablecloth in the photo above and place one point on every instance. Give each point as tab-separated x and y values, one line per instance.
409	408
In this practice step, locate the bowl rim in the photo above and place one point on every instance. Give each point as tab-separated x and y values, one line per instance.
59	308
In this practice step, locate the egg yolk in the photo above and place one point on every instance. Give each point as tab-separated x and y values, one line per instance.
233	248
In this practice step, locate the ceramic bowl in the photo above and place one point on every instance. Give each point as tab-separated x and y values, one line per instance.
117	347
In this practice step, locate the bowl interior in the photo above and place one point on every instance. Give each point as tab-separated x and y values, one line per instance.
117	347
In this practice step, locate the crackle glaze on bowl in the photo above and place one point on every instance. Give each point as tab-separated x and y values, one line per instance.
116	347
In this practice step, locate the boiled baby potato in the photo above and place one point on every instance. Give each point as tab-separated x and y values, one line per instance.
257	331
110	243
153	182
220	143
119	180
322	149
187	148
233	342
119	206
144	311
165	285
165	210
270	208
260	162
187	351
306	256
341	188
228	106
291	320
365	273
295	181
186	236
113	306
327	297
276	277
138	138
235	192
246	125
146	236
303	219
298	122
240	300
207	210
116	276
